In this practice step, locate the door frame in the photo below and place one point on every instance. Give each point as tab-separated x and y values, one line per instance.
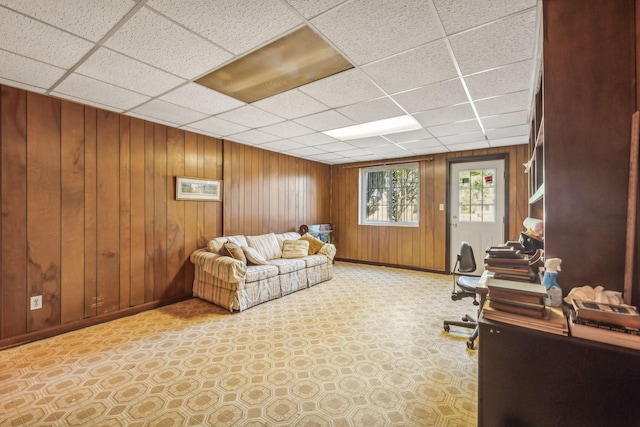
473	159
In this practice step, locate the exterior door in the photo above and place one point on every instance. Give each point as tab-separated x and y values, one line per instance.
477	193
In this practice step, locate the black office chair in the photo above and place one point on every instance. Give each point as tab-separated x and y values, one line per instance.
466	287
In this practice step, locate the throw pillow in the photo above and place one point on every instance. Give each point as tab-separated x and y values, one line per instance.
253	256
295	248
235	251
314	243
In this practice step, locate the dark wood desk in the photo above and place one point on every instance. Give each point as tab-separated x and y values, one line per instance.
531	378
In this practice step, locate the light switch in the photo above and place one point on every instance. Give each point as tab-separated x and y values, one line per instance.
441	206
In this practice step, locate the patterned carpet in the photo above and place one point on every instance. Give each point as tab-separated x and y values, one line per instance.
364	349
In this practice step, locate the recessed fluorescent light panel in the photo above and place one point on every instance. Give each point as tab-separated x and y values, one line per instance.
377	128
297	59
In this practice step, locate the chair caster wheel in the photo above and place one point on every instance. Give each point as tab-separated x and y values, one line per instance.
446	328
470	345
464	319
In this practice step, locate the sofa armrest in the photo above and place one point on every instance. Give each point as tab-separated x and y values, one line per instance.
222	267
328	250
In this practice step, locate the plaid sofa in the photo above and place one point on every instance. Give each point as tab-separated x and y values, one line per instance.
237	285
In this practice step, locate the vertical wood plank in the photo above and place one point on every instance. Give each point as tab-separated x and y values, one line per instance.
125	212
90	212
175	214
149	212
138	215
43	209
191	209
108	201
13	224
160	218
72	208
202	240
210	172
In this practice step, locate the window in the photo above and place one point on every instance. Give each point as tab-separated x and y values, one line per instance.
389	195
477	189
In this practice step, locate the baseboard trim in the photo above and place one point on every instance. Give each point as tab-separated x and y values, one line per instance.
382	264
84	323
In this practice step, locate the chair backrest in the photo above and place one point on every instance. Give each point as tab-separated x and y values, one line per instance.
467	262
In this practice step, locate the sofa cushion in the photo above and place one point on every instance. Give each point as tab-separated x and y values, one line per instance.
288	265
266	244
234	251
295	248
313	260
253	256
215	245
260	272
314	243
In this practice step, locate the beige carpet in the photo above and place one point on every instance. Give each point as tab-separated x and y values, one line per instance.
364	349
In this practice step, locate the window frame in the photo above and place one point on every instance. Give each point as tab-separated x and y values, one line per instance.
362	194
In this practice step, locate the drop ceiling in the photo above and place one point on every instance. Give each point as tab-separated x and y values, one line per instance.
464	69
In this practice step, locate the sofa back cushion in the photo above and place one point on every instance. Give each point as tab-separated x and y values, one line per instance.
295	249
266	244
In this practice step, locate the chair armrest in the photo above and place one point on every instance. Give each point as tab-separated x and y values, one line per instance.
222	267
328	250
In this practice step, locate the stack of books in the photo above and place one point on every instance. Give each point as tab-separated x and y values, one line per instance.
508	263
609	323
523	304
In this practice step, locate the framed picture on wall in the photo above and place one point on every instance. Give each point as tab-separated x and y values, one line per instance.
198	189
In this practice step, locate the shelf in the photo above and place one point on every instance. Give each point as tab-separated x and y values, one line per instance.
538	195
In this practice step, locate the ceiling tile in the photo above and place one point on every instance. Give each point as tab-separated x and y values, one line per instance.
500	81
365	157
169	112
469	146
433	96
336	147
253	137
250	116
314	139
310	9
412	135
82	87
509	103
372	141
157	41
367	30
282	145
358	152
450	114
427	64
305	151
455	128
287	130
514	140
369	111
462	138
33	39
23	86
348	87
91	19
459	15
424	143
505	120
151	119
291	104
430	150
325	121
24	70
119	70
200	98
86	102
389	149
500	43
522	130
224	22
217	127
326	157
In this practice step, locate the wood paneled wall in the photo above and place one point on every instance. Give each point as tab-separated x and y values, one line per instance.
267	191
424	247
89	217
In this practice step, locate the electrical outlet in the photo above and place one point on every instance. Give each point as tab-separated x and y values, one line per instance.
36	302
